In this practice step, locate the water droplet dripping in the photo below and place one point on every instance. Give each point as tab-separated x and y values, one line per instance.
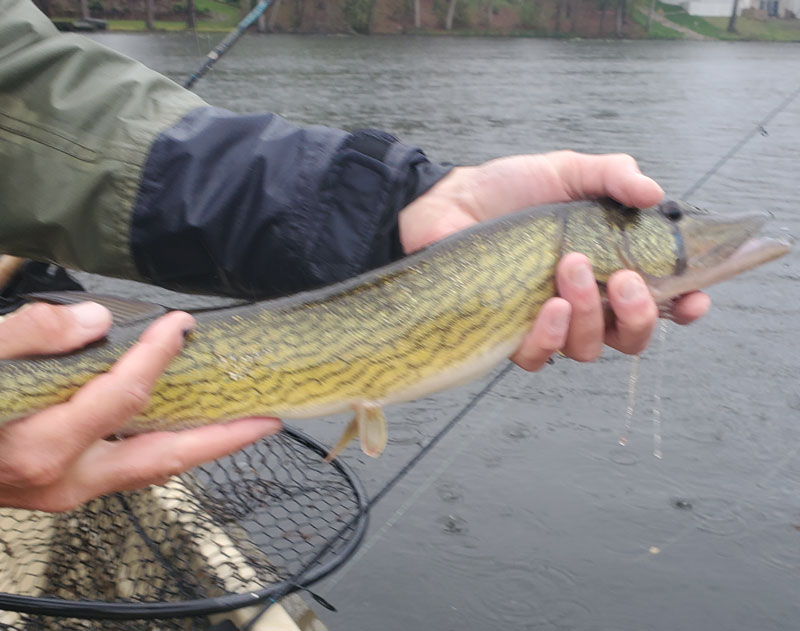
632	380
656	412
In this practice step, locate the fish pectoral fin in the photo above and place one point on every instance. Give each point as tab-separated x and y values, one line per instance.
372	428
370	424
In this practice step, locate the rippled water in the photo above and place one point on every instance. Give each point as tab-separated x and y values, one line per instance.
530	516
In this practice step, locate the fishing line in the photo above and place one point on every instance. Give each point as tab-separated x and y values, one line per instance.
633	380
296	580
413	462
758	128
656	410
433	476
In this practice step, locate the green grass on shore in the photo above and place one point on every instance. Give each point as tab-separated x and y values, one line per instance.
657	30
678	14
220	11
747	28
166	25
767	30
222	17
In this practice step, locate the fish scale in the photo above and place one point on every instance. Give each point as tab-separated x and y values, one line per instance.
434	319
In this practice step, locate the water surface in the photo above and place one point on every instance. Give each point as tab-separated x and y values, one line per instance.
529	515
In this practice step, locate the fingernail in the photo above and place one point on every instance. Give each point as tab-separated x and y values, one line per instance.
650	182
559	322
262	426
91	315
649	179
581	276
632	289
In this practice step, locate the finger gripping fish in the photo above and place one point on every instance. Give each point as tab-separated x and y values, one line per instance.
440	317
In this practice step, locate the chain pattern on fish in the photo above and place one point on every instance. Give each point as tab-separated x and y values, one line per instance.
427	322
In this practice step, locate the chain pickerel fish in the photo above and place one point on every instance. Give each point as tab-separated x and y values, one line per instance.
437	318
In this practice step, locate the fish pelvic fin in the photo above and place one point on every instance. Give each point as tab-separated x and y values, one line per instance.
350	432
372	429
369	423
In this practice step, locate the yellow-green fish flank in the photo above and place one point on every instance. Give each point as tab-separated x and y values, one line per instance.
434	319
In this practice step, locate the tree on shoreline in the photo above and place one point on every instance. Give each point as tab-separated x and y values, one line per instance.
150	14
621	10
732	21
273	16
451	11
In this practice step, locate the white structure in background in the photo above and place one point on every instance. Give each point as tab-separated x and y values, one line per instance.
719	8
784	6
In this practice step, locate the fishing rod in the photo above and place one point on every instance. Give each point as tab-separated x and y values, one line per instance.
226	44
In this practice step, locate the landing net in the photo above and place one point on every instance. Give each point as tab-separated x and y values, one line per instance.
221	536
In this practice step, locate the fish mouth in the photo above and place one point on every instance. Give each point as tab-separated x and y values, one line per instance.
753	252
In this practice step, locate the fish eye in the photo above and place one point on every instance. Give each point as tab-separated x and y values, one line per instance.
672	211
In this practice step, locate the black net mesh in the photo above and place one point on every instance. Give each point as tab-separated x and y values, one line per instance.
205	541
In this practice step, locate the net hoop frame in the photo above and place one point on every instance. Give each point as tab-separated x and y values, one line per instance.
103	610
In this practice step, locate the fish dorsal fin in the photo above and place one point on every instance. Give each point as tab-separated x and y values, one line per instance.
124	311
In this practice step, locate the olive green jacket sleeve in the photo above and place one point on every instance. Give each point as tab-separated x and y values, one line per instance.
76	123
109	167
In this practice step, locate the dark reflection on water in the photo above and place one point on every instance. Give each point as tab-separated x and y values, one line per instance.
529	516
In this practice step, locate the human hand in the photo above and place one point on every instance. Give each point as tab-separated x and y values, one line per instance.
56	459
574	322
